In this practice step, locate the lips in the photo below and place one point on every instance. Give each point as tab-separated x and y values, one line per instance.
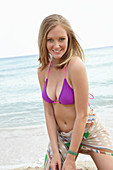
56	51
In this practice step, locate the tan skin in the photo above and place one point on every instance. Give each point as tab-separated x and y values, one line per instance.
66	117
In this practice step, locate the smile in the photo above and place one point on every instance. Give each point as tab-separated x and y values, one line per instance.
56	51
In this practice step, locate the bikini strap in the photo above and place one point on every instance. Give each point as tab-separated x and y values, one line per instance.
92	97
64	72
49	69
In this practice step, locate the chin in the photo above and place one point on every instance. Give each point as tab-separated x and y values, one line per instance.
57	56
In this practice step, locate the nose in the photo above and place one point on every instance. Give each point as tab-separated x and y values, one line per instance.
56	45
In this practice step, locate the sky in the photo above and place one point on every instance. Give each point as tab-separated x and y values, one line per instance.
20	20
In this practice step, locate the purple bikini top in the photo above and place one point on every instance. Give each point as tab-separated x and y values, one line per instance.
66	96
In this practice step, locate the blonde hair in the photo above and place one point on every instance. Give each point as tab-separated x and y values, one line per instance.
74	47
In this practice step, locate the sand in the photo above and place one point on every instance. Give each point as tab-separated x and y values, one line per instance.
82	165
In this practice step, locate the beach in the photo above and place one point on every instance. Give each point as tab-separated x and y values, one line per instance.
83	165
25	149
23	133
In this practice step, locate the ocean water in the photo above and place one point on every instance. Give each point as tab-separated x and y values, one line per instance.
20	97
23	134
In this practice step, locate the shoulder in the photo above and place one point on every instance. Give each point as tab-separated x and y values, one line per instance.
76	65
41	75
40	72
77	72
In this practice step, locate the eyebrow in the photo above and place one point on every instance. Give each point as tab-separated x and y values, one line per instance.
63	36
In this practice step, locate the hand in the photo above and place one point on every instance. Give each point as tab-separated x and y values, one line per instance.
69	165
56	162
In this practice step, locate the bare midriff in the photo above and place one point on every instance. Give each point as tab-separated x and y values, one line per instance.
65	116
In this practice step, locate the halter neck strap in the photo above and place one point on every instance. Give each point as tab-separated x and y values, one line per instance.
49	69
64	72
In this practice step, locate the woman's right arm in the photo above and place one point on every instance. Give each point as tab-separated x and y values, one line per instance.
51	124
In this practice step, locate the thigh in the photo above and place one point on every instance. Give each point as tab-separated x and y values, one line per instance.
102	161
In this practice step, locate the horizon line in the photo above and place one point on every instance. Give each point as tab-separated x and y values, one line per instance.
29	55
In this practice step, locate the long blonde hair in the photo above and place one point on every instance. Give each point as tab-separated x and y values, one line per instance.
74	47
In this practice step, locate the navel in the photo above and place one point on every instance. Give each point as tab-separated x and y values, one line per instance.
65	123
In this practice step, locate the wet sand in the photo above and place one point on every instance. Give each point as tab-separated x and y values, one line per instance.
81	165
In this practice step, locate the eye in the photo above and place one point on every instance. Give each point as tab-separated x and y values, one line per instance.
61	39
50	40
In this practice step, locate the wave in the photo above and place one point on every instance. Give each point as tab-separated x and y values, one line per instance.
18	68
18	57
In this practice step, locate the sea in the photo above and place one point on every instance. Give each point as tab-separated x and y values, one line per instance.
23	133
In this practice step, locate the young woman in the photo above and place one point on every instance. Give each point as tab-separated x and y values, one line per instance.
73	127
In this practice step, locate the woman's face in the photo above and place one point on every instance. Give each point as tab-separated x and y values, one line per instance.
57	42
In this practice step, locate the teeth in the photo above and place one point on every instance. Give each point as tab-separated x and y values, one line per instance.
57	51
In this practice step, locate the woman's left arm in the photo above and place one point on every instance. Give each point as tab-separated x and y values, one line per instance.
78	77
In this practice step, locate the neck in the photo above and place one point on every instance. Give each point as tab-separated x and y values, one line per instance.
55	62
